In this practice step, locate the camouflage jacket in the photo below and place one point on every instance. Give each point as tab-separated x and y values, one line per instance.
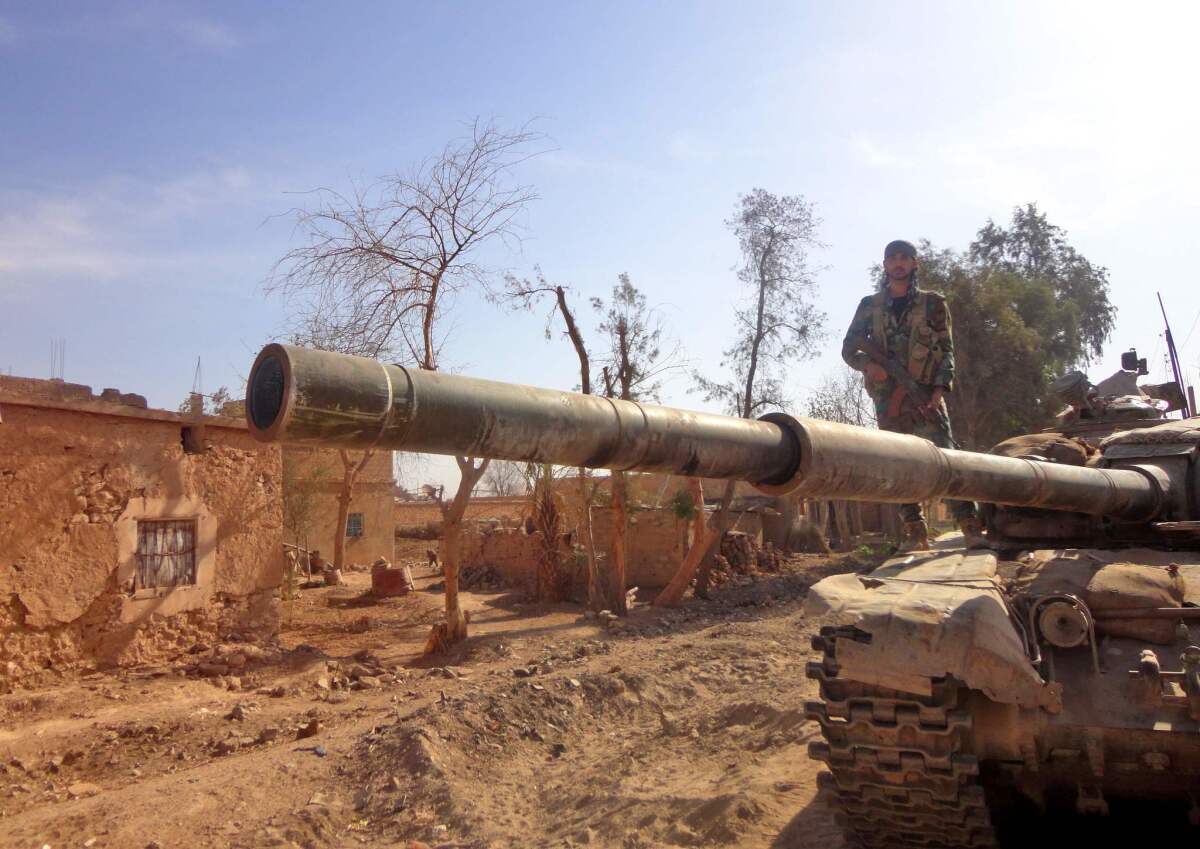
920	337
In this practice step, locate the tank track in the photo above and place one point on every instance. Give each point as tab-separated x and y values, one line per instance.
899	775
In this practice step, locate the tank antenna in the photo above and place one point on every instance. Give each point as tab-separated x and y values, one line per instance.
1174	358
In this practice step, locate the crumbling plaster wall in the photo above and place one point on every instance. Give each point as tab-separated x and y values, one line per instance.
66	479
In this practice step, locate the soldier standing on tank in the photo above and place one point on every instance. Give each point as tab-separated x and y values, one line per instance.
910	326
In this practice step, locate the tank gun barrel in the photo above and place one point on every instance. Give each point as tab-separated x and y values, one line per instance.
317	397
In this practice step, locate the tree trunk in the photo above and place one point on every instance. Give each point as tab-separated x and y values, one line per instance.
843	525
720	525
350	472
595	590
702	538
456	621
454	628
822	518
616	572
547	520
856	519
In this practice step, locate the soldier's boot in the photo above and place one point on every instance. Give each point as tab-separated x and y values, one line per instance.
972	531
915	537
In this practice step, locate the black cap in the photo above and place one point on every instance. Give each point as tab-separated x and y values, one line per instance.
900	246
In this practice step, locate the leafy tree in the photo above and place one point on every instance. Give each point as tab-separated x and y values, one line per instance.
1019	320
1037	250
219	403
777	326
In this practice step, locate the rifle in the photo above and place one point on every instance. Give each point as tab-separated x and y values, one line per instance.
905	384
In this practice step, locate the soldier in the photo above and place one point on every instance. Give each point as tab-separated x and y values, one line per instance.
911	327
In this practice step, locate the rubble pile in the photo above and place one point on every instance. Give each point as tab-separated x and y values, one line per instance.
482	576
738	551
741	555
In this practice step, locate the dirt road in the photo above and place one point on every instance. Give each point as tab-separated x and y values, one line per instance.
681	728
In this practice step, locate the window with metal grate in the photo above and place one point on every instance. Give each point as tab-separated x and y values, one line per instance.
354	525
166	553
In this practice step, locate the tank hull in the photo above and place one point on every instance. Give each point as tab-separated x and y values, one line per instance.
1100	733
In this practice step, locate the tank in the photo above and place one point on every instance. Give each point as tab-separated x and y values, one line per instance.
955	685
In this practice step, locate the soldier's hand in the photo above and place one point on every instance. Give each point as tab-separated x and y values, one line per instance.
876	373
935	399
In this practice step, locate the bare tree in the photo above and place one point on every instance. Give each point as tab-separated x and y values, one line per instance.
632	368
380	265
306	478
525	293
841	397
777	325
505	477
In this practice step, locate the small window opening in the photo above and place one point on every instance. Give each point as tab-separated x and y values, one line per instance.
193	439
166	553
354	525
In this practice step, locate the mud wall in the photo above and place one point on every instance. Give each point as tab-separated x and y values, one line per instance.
72	484
512	509
321	472
654	542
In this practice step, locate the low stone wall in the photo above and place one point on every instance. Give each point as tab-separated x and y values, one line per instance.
511	551
654	544
514	508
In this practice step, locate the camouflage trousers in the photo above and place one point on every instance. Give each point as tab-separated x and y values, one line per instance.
939	434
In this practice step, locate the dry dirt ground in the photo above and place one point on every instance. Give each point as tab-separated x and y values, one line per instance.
681	728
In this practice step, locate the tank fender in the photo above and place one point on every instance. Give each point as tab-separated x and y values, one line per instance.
929	616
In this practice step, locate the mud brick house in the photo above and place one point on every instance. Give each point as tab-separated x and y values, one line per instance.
128	535
313	480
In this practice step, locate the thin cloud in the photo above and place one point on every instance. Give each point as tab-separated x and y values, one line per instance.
690	148
871	153
8	33
208	34
111	228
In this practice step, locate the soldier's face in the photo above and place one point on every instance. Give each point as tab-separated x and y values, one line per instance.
899	267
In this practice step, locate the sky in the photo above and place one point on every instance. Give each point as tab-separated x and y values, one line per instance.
150	155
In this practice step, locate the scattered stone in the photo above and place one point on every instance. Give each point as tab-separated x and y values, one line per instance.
238	714
277	692
369	682
319	751
573	683
81	789
267	735
311	729
227	746
394	783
